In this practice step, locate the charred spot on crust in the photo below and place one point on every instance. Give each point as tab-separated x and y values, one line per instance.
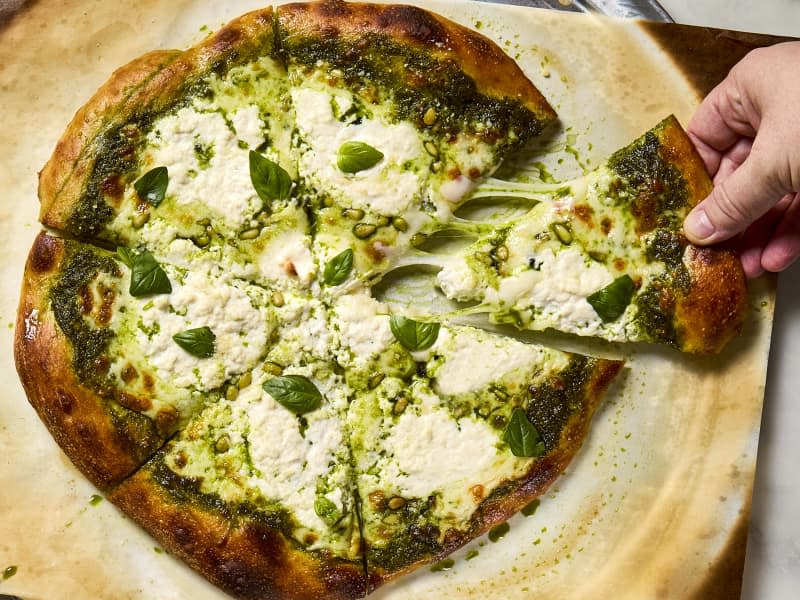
66	401
416	23
43	253
134	402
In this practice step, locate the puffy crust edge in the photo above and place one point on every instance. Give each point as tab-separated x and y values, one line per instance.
542	473
77	418
241	555
712	312
495	74
68	159
148	84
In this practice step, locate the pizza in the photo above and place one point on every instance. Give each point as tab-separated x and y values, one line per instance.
198	327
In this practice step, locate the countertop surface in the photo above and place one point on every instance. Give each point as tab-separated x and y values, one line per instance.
772	566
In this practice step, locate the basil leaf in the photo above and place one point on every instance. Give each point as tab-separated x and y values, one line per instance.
270	180
326	510
147	276
522	437
295	392
357	156
338	268
126	255
610	302
412	334
152	186
197	342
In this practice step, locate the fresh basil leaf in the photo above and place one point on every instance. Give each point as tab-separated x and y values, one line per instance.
198	342
126	255
610	302
152	186
522	437
326	510
147	276
338	268
270	180
357	156
295	392
412	334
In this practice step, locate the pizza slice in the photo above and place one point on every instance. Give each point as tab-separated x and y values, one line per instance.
256	492
199	150
399	113
452	429
605	255
481	427
118	351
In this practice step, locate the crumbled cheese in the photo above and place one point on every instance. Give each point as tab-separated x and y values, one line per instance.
387	188
223	186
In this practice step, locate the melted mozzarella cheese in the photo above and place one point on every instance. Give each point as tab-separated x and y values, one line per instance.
558	290
458	280
429	452
289	463
472	359
387	188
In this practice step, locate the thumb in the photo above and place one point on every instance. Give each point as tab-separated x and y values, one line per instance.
735	203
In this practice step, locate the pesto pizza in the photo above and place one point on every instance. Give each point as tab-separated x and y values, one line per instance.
199	329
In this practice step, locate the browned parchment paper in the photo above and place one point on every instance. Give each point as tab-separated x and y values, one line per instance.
656	503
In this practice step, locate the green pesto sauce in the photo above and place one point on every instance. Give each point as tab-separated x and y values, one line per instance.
9	572
88	344
552	402
471	554
416	82
184	489
413	538
530	509
658	186
654	315
95	499
499	532
443	565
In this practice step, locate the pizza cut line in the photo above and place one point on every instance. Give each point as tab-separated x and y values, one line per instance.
197	329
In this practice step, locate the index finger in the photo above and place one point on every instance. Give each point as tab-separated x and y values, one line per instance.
724	116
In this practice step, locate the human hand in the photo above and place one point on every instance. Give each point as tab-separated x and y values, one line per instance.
747	130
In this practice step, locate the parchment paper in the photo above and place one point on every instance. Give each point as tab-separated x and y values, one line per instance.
654	506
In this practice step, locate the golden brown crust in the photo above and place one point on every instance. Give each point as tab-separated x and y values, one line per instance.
495	73
499	507
106	446
242	555
66	175
89	121
711	313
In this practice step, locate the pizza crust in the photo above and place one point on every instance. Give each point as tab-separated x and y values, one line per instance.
237	552
106	445
144	87
510	497
495	74
712	312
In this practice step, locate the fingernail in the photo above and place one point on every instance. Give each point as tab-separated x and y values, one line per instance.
698	224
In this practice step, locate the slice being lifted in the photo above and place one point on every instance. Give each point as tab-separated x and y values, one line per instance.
605	255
